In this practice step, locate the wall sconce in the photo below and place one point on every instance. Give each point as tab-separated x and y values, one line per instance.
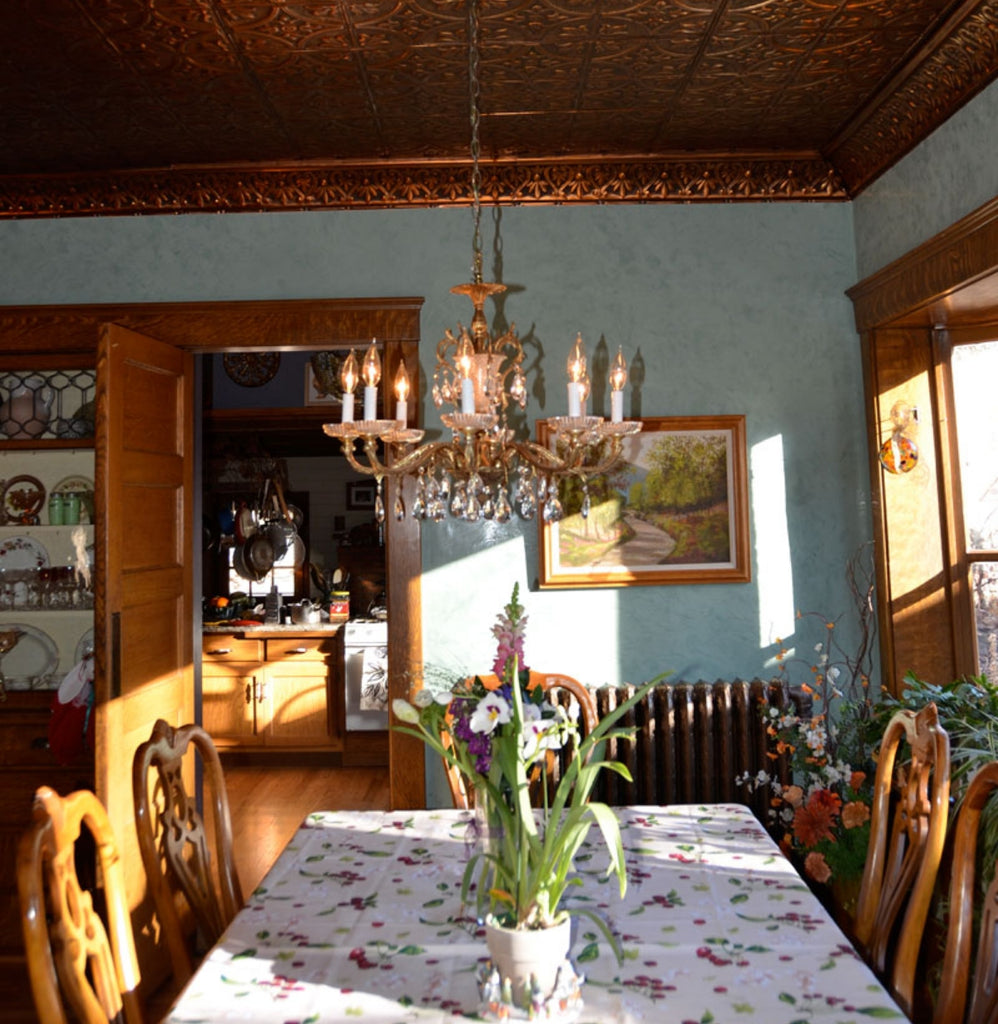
899	453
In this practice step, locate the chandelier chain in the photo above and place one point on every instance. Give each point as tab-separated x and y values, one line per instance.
474	88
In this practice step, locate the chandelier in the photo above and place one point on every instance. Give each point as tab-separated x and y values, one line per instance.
483	470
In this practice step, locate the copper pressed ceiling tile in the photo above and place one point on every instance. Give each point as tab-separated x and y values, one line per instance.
172	105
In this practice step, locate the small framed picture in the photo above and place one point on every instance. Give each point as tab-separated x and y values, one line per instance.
360	495
316	393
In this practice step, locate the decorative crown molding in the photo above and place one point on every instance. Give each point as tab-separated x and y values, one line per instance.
953	71
311	187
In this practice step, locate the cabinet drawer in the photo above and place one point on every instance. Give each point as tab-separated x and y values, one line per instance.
301	649
230	648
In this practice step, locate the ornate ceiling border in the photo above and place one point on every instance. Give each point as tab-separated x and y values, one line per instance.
311	187
956	66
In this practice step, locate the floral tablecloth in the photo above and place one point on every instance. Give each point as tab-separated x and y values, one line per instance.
361	918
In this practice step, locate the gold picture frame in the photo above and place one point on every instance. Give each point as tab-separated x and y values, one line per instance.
674	511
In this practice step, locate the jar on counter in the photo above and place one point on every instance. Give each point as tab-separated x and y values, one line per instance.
56	510
71	509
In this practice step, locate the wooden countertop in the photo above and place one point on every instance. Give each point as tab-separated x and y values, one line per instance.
272	631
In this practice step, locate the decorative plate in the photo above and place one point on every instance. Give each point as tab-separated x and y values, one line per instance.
251	369
85	645
23	553
32	659
23	498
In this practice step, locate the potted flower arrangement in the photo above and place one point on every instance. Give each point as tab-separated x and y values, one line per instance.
822	817
499	736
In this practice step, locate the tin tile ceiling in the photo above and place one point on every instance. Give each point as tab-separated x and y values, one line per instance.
136	106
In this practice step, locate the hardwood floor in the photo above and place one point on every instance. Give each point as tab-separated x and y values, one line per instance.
268	804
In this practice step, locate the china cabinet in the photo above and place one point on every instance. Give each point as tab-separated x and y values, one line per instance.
46	595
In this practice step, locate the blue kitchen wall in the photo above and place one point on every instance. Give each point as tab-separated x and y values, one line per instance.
733	309
950	174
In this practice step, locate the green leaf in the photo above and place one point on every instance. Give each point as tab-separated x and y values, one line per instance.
883	1012
786	997
244	954
589	952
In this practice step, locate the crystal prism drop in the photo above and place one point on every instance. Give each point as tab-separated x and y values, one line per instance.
586	503
473	510
458	504
379	508
399	508
528	505
504	510
553	511
438	511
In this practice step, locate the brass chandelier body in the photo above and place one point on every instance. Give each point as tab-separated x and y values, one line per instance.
482	471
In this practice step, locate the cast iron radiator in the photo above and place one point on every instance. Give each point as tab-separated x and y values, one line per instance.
692	740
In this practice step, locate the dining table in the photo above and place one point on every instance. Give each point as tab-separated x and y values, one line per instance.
362	918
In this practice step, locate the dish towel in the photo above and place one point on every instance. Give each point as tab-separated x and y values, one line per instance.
71	727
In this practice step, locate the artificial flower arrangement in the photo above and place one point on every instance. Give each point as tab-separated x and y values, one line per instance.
822	817
499	735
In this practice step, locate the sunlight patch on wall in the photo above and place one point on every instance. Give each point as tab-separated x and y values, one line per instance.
773	570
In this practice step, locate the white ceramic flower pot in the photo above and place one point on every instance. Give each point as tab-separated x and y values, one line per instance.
529	959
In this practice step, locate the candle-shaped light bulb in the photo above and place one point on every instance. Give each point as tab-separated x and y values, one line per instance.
577	360
401	393
618	378
372	366
348	379
576	371
585	386
371	372
463	361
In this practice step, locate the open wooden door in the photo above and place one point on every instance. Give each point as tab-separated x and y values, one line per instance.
144	587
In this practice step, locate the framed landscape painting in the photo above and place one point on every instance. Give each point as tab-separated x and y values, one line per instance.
674	510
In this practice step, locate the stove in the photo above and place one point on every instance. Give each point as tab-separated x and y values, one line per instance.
365	673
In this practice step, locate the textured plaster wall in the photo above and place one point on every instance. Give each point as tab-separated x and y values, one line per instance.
953	172
734	309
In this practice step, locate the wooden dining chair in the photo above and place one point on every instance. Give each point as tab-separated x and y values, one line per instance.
907	834
176	846
951	1002
551	683
75	963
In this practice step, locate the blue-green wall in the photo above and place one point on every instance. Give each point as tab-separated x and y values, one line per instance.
950	174
735	309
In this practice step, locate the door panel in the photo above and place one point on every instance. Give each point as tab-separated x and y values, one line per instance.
144	596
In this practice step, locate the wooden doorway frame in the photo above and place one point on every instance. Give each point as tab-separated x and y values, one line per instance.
275	325
903	313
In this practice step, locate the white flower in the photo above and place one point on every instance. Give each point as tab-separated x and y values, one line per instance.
405	712
491	711
423	699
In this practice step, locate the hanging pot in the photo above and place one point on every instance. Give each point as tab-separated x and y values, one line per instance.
240	565
534	961
259	554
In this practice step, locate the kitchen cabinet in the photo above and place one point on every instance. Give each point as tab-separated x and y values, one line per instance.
273	690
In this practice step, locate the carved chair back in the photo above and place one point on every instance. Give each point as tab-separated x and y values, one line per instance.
907	834
951	1003
181	856
74	961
